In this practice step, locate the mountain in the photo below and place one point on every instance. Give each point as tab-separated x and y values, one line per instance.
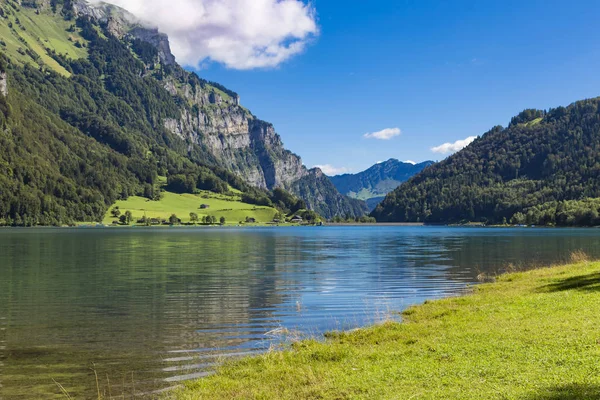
542	157
94	108
376	182
317	190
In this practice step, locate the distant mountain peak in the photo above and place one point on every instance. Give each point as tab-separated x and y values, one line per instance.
377	181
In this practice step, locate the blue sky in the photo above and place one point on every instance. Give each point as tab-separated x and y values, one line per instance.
440	71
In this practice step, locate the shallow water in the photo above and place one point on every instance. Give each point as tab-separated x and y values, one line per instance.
147	308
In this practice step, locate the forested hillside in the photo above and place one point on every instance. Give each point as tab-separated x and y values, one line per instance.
88	116
542	157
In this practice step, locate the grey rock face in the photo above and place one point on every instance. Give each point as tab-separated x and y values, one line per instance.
122	23
280	167
3	84
158	40
238	140
102	12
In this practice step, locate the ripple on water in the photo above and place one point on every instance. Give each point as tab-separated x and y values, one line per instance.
146	309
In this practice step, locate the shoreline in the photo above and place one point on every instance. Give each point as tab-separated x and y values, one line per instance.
269	225
528	335
376	224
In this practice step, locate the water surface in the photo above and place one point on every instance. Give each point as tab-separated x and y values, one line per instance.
147	308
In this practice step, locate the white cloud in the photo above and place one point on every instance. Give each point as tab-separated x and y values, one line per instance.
385	134
241	34
330	170
410	162
448	148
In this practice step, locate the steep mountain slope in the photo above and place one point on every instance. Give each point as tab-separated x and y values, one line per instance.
113	86
374	183
541	157
319	193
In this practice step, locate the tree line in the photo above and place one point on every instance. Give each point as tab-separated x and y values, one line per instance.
585	212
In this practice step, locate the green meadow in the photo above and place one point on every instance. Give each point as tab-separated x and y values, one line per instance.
529	335
228	206
23	33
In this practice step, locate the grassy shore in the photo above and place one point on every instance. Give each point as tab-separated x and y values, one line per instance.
529	335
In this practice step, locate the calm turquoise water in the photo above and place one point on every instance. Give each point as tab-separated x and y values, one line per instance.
149	308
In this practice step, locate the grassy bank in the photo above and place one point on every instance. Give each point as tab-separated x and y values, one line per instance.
530	335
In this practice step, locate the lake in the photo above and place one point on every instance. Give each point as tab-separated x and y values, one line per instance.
145	309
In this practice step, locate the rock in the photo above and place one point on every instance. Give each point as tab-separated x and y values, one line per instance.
3	84
214	98
122	23
158	40
238	140
99	11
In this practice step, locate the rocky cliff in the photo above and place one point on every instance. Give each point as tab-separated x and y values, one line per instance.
123	24
238	140
211	116
250	147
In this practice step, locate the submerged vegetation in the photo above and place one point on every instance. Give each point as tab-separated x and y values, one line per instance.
529	335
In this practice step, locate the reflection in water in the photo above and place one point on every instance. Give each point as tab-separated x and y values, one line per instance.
147	308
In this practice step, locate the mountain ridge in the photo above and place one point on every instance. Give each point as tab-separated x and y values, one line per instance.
374	183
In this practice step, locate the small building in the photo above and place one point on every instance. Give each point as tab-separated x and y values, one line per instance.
204	206
251	220
297	219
